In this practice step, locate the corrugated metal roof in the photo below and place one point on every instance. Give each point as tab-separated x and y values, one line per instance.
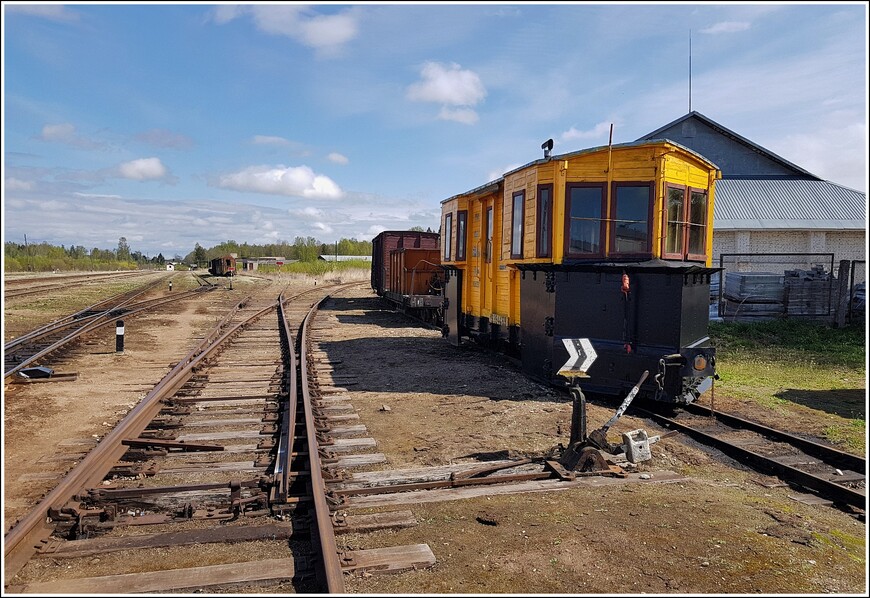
787	204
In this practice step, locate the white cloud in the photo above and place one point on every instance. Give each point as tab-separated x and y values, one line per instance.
466	116
13	184
66	133
143	169
447	85
457	89
298	181
493	175
269	140
322	227
602	129
818	149
337	158
54	12
63	132
727	27
97	195
307	213
326	33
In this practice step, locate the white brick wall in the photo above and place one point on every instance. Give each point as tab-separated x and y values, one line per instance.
845	245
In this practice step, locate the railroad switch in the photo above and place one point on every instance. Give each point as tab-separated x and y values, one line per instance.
588	454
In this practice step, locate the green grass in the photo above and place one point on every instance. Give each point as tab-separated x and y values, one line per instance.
321	267
797	341
792	366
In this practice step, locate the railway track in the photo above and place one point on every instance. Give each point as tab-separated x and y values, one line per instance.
232	449
27	349
21	287
830	475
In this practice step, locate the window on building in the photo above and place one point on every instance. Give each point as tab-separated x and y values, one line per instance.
447	237
685	224
584	223
519	200
461	221
545	220
630	228
487	250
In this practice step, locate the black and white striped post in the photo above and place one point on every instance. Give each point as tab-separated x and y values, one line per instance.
119	336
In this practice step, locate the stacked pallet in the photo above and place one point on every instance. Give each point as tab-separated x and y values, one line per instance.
809	292
753	295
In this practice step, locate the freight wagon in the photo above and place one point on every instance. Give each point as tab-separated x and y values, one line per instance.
406	272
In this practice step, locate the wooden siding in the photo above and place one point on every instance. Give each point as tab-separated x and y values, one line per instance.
492	290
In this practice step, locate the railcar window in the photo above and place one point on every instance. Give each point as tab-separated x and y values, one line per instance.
517	225
584	220
630	232
675	222
487	251
448	236
545	219
686	216
461	220
697	223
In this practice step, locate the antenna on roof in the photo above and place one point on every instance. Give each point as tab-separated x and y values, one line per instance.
547	146
690	70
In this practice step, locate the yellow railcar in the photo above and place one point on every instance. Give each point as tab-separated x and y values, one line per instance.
612	244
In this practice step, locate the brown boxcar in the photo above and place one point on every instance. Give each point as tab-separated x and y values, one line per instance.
406	270
389	241
223	266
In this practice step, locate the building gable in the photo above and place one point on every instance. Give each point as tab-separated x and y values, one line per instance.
735	155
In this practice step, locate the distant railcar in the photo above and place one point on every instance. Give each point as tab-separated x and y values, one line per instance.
613	244
406	271
223	266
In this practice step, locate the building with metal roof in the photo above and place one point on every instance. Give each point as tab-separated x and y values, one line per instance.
345	258
766	204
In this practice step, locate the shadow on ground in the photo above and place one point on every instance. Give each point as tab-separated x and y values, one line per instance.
849	403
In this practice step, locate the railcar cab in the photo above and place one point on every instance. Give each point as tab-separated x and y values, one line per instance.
612	243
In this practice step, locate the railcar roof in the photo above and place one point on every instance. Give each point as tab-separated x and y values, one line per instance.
493	185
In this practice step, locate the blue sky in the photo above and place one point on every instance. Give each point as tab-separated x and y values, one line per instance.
172	125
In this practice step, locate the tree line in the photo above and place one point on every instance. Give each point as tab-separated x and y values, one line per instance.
303	249
45	257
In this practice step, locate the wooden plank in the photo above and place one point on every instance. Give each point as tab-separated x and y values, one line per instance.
219	435
339	400
424	496
374	521
361	460
340	431
174	579
214	421
811	499
335	409
54	378
342	417
391	477
341	445
389	560
170	444
93	546
208	467
208	399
